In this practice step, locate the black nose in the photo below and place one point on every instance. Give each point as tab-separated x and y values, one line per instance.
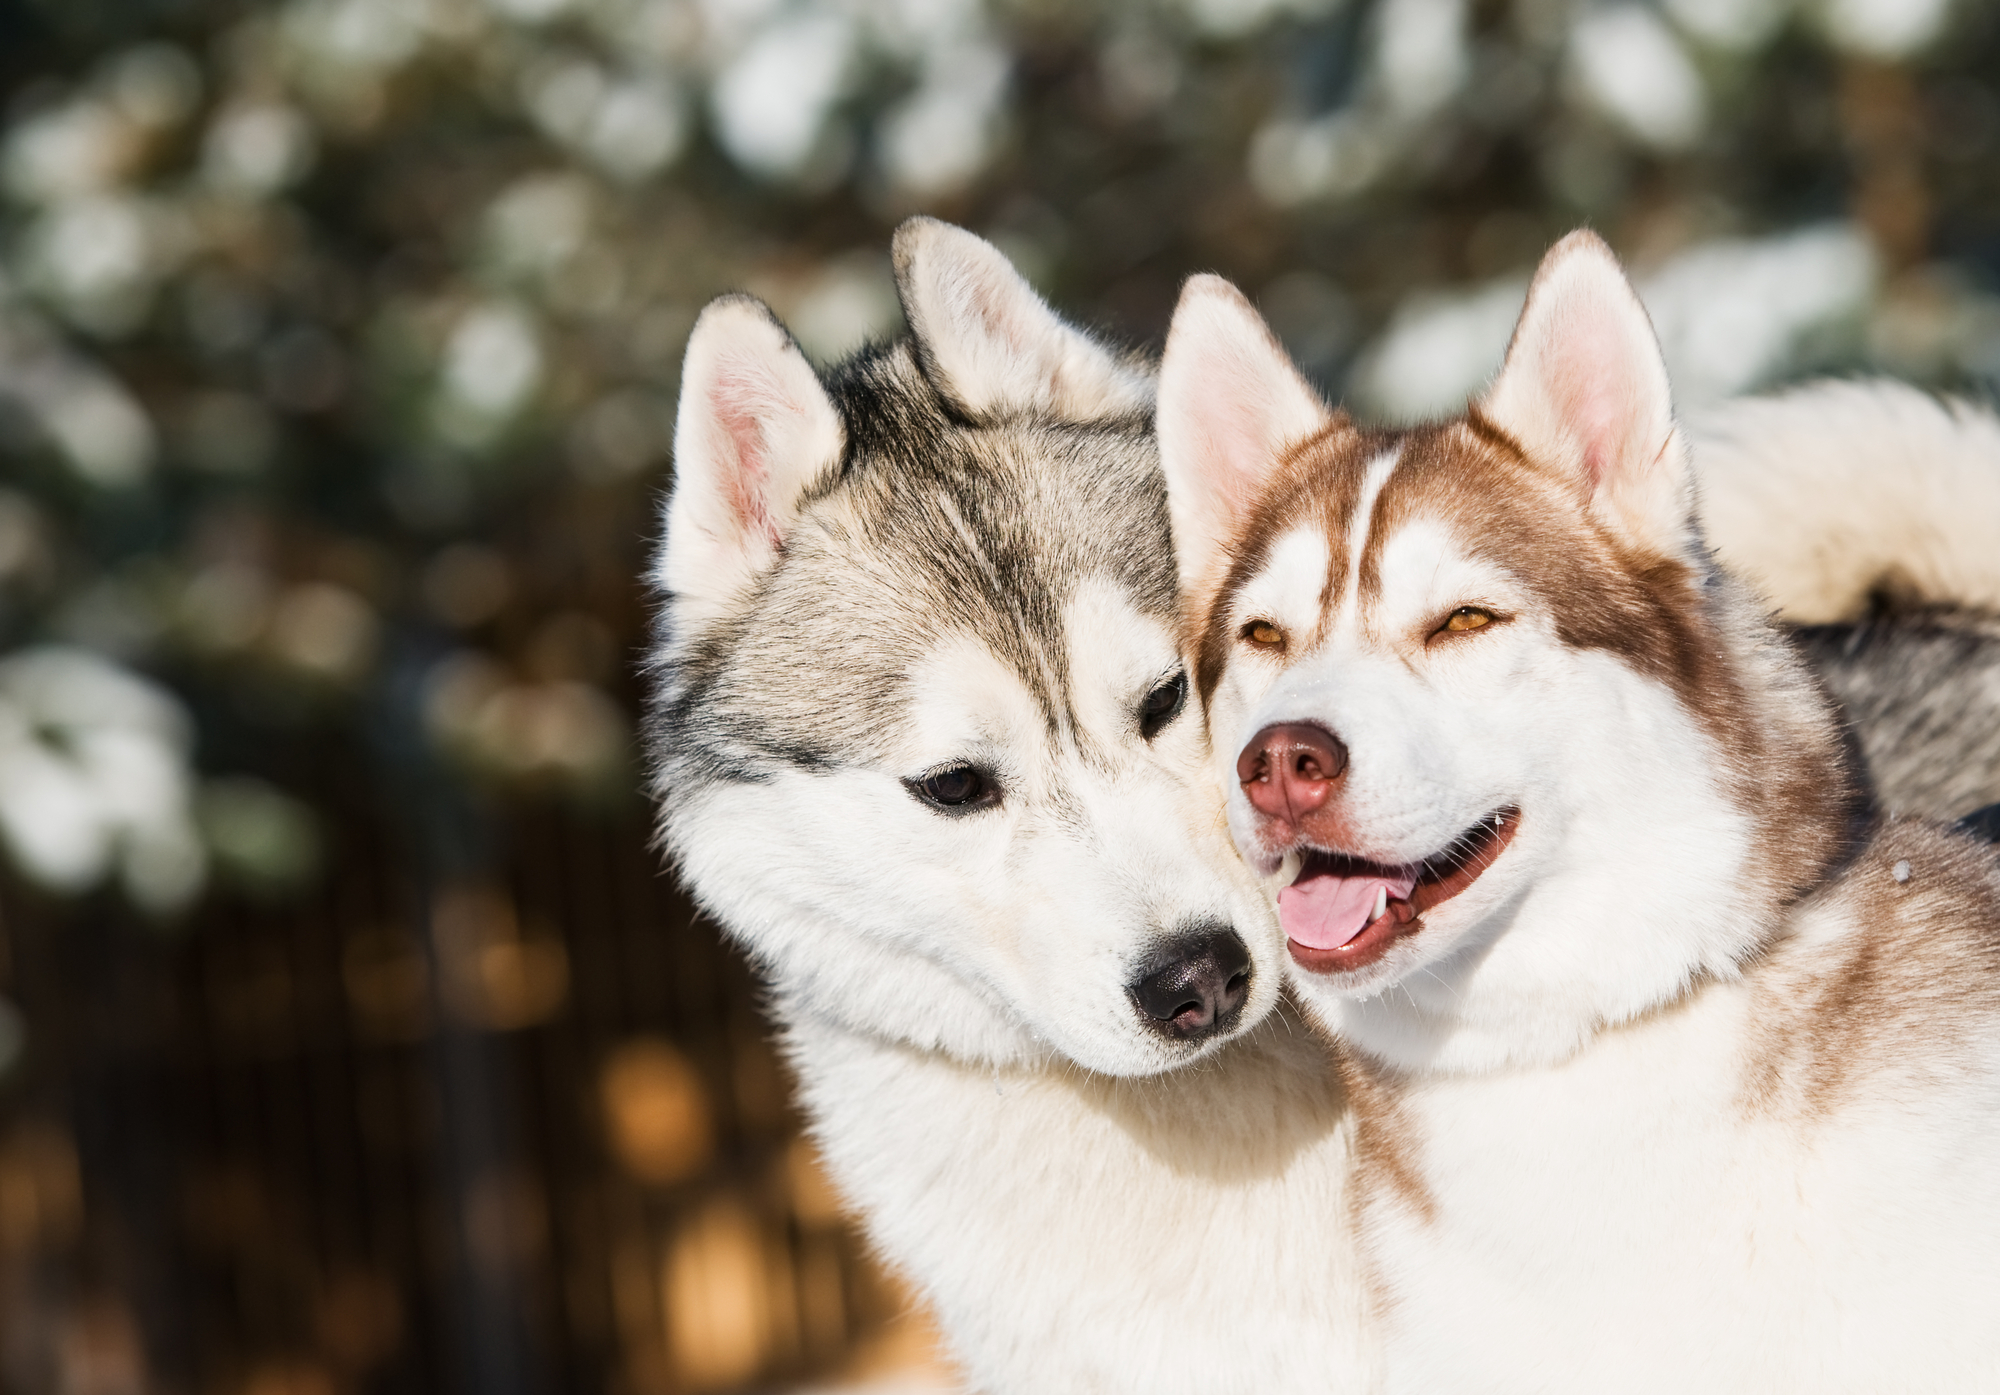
1195	986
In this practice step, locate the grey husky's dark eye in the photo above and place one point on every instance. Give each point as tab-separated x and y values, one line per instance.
1162	705
955	788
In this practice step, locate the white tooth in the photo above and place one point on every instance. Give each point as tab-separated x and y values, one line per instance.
1381	902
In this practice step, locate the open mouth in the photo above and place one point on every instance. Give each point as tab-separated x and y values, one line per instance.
1342	913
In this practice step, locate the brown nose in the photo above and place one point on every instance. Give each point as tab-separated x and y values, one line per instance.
1288	769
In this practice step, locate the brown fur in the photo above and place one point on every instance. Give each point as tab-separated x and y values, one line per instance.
1317	480
1388	1148
1902	992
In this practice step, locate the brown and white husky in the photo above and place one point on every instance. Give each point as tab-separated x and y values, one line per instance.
1672	1066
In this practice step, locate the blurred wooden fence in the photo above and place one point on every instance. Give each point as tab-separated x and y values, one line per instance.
505	1132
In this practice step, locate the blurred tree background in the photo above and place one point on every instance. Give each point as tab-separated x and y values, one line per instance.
351	1041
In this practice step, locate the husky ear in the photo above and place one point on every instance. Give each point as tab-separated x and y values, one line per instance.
1584	389
990	344
755	432
1231	403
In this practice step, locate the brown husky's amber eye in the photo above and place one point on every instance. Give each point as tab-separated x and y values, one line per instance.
1265	633
1468	617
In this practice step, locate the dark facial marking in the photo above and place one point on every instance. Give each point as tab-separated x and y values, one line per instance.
1163	704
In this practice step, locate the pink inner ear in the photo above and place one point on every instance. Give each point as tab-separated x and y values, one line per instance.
1249	407
1238	438
1596	386
739	411
987	306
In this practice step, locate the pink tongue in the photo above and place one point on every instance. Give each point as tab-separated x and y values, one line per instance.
1322	911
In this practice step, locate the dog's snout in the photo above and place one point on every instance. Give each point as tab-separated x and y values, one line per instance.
1289	769
1196	987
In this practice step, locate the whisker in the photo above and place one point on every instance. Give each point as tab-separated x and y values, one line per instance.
1446	986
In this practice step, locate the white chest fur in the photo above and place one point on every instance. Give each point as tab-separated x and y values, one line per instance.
1654	1216
1187	1233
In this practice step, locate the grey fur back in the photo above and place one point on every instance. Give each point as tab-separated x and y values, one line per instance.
1920	690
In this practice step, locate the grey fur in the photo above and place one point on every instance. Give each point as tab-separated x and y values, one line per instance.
1920	689
933	523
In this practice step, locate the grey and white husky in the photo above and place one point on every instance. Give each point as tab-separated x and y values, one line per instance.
926	747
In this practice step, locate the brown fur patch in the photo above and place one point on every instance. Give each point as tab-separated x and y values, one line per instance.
1388	1148
1899	1001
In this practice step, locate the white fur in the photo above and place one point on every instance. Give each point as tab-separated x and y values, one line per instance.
1376	476
1173	1235
1619	1222
1821	495
1586	919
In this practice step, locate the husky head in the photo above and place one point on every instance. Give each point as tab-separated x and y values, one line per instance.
919	728
1522	761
